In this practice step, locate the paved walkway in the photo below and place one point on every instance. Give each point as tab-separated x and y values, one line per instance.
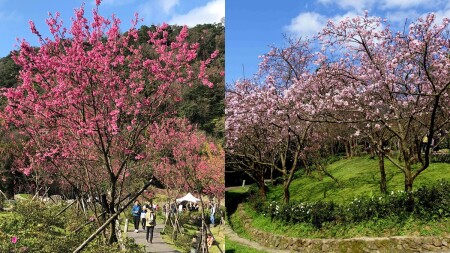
158	244
230	234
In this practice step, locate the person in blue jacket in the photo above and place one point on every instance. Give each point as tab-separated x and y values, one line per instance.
136	211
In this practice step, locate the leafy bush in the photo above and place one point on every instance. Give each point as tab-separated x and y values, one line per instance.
37	229
433	203
426	203
440	158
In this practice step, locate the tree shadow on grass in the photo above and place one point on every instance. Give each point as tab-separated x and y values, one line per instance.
232	200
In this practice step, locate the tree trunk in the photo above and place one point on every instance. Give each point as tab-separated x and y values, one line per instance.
112	235
332	149
347	149
408	176
408	182
350	144
325	172
307	169
105	207
286	184
383	186
262	191
287	194
262	186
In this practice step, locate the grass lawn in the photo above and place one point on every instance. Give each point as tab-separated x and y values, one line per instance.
219	234
358	176
235	247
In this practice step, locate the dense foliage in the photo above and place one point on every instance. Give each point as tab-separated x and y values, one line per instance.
425	203
37	229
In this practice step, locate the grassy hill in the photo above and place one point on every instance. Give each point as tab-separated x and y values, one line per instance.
356	176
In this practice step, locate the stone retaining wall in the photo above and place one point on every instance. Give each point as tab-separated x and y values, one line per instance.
400	244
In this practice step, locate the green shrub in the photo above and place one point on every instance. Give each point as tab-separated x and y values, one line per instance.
426	203
433	203
440	158
38	229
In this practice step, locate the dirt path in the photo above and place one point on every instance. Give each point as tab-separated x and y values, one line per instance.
158	244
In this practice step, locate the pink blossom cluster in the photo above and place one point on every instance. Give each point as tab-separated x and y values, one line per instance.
88	94
364	78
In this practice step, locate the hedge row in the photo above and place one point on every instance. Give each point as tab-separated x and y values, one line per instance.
426	203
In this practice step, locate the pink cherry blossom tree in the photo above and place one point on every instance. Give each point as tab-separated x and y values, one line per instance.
187	161
265	130
247	144
397	80
367	79
88	95
184	158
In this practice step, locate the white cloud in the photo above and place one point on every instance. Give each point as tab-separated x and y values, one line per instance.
402	4
445	13
400	17
350	14
306	24
396	12
310	23
358	5
157	10
167	5
325	1
212	12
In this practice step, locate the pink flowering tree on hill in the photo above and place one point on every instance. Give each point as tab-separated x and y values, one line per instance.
186	161
271	123
87	97
366	82
397	81
264	130
248	145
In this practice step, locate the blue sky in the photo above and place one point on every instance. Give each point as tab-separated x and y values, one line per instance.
253	25
14	15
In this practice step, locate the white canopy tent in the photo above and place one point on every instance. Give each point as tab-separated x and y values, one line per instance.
188	198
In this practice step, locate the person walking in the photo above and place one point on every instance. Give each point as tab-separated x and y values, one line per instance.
212	213
136	212
151	222
143	213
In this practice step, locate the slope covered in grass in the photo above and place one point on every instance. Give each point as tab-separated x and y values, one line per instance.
358	176
235	247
